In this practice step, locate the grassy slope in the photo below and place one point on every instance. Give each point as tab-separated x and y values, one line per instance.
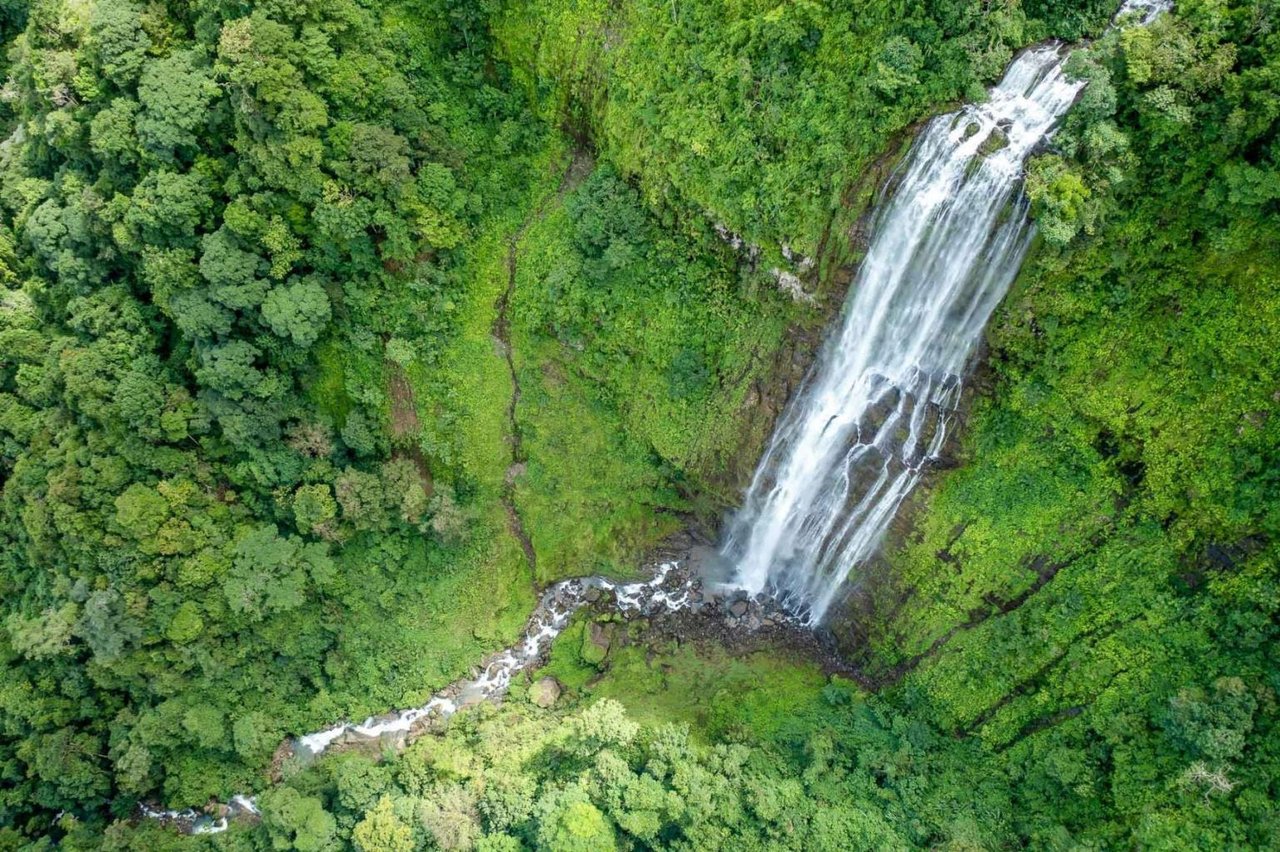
613	448
753	697
589	486
448	606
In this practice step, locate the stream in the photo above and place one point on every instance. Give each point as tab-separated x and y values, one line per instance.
669	590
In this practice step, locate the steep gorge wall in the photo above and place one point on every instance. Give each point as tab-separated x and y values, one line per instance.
777	126
1102	551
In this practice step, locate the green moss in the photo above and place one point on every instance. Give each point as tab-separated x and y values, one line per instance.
565	663
327	389
754	697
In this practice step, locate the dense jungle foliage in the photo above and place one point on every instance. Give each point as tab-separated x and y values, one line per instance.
330	331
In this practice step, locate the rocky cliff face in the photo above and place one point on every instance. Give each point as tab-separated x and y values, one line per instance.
825	281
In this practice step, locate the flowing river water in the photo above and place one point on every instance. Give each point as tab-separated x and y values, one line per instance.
874	409
668	590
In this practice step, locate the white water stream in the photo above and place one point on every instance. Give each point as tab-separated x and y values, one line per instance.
557	606
666	591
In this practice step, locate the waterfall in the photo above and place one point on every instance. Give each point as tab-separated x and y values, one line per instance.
877	404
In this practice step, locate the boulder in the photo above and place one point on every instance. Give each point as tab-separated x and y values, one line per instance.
998	139
393	740
545	692
596	642
470	697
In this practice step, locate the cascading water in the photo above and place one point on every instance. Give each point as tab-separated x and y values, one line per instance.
877	405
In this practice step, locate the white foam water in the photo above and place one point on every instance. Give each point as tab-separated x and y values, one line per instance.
877	405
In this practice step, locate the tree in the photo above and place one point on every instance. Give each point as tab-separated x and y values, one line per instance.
175	93
106	626
1059	199
206	725
298	311
313	507
230	369
141	511
117	40
569	822
256	736
898	66
45	635
382	831
267	574
165	209
602	725
1212	725
231	271
295	821
186	623
112	134
362	497
67	761
449	811
403	486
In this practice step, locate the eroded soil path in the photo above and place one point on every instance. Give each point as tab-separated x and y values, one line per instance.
405	426
580	165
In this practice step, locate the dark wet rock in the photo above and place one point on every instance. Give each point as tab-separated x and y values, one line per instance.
738	609
997	140
596	642
470	698
396	740
942	462
930	424
875	415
